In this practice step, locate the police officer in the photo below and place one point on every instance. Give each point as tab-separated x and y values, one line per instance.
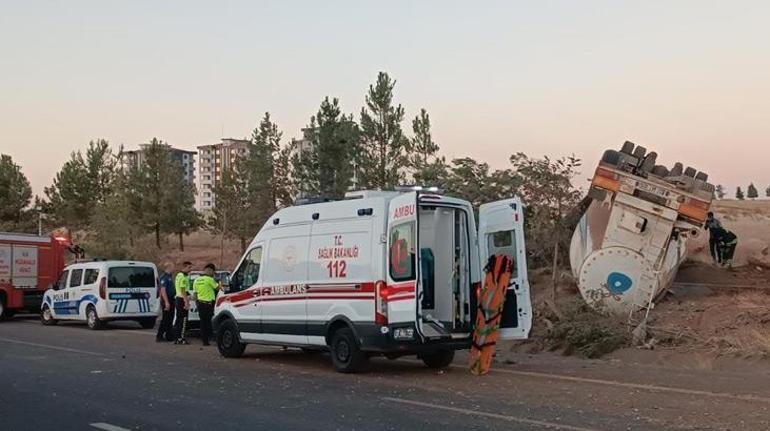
727	242
181	286
167	295
205	288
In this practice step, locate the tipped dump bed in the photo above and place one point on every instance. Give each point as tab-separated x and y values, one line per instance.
629	243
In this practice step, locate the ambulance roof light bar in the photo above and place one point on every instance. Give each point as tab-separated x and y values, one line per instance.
404	189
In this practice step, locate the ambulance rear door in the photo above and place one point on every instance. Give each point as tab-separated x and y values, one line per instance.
395	302
501	231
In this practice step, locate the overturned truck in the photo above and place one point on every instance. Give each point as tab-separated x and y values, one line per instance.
632	237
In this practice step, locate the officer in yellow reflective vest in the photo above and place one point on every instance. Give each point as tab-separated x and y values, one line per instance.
182	302
205	288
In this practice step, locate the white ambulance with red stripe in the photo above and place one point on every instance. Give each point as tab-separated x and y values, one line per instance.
391	273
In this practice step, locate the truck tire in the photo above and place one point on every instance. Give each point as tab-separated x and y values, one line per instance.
228	343
689	172
611	157
649	162
439	359
628	148
676	170
147	323
92	319
347	356
660	171
639	152
702	176
46	318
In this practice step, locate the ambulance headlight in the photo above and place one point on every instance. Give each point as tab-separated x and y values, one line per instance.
403	333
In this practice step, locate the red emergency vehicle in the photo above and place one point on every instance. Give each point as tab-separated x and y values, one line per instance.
30	264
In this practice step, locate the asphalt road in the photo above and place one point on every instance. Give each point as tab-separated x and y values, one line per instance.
68	377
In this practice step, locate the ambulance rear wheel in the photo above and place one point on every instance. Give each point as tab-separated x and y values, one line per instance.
438	360
347	356
92	319
228	343
46	317
5	313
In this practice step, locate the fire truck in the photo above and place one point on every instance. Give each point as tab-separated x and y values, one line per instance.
30	264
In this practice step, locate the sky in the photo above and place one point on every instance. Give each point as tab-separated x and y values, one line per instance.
688	79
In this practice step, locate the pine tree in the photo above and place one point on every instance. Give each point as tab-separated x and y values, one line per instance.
384	149
114	228
739	194
326	167
767	192
178	209
15	196
427	166
752	192
81	184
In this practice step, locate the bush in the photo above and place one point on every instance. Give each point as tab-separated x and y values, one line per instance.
585	332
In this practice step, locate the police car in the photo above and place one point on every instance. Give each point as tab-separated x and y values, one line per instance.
101	291
393	273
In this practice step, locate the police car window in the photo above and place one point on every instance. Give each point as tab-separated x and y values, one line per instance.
401	255
131	276
76	278
62	283
247	274
91	276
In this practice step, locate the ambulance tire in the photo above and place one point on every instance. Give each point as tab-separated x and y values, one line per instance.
46	318
92	319
148	323
347	356
5	313
228	342
439	359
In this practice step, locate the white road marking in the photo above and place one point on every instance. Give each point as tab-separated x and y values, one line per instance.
545	424
646	387
48	346
108	427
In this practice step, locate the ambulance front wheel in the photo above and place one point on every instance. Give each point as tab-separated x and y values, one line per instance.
228	343
46	317
439	359
92	318
347	356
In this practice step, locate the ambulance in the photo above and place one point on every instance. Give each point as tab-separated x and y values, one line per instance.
390	273
102	291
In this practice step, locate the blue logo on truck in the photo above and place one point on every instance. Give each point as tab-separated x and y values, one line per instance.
618	283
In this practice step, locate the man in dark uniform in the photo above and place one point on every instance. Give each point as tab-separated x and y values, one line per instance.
727	242
711	224
167	295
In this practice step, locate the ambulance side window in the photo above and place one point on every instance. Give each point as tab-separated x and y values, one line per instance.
247	274
401	252
503	242
76	278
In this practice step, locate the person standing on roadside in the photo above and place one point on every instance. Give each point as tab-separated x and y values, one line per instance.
181	286
167	295
713	223
205	288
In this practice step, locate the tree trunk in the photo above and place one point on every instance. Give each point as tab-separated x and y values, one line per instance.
181	241
243	245
157	235
222	239
555	270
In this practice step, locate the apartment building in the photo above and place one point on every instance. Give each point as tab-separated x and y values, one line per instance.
185	158
213	159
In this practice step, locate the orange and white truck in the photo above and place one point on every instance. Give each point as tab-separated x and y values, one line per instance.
630	241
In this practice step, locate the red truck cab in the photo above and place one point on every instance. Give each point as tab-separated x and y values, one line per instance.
29	265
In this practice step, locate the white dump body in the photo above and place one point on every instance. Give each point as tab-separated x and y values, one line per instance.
629	243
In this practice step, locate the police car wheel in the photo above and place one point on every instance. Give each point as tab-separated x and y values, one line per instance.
347	357
228	343
439	359
92	319
46	317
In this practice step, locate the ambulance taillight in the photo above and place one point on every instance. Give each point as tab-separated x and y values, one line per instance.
381	303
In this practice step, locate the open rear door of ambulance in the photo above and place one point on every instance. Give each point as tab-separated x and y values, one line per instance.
396	302
501	231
